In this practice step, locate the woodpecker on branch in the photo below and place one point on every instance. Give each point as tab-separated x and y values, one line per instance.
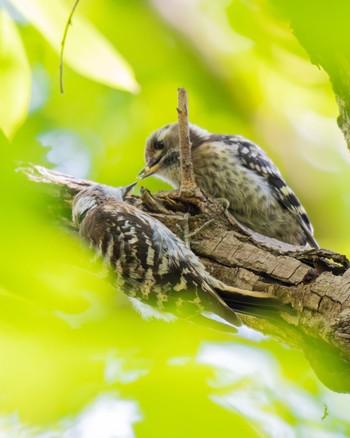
233	168
152	264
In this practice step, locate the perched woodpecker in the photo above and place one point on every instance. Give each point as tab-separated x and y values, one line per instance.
152	264
233	168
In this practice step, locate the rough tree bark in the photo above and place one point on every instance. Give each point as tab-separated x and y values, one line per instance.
315	283
321	325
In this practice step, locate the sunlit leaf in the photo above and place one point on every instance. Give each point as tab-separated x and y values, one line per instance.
76	359
86	51
14	77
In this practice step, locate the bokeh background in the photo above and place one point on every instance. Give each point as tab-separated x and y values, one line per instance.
77	360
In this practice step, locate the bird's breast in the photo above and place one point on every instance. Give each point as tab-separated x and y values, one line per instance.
220	173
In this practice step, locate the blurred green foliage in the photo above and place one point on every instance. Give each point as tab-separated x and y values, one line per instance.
77	360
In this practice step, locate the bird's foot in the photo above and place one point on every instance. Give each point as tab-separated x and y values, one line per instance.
187	235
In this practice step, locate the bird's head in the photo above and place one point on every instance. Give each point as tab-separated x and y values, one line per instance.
162	153
96	195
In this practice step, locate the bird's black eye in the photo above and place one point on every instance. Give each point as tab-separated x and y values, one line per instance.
159	145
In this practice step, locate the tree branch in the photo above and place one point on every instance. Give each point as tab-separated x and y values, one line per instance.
187	176
188	187
321	301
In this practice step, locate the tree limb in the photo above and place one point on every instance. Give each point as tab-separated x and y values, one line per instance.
188	187
187	175
321	301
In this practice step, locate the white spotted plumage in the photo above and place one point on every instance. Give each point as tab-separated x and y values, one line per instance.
150	262
233	168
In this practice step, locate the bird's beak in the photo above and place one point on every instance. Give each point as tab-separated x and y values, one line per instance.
151	167
127	190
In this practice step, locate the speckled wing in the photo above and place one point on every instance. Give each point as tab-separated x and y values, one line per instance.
151	263
255	159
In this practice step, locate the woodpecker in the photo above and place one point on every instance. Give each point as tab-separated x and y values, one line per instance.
233	168
153	265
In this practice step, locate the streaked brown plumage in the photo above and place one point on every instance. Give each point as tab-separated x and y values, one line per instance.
151	263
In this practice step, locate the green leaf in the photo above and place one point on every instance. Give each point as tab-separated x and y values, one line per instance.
86	51
15	77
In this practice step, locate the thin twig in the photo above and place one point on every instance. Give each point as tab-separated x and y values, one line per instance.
63	43
188	183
